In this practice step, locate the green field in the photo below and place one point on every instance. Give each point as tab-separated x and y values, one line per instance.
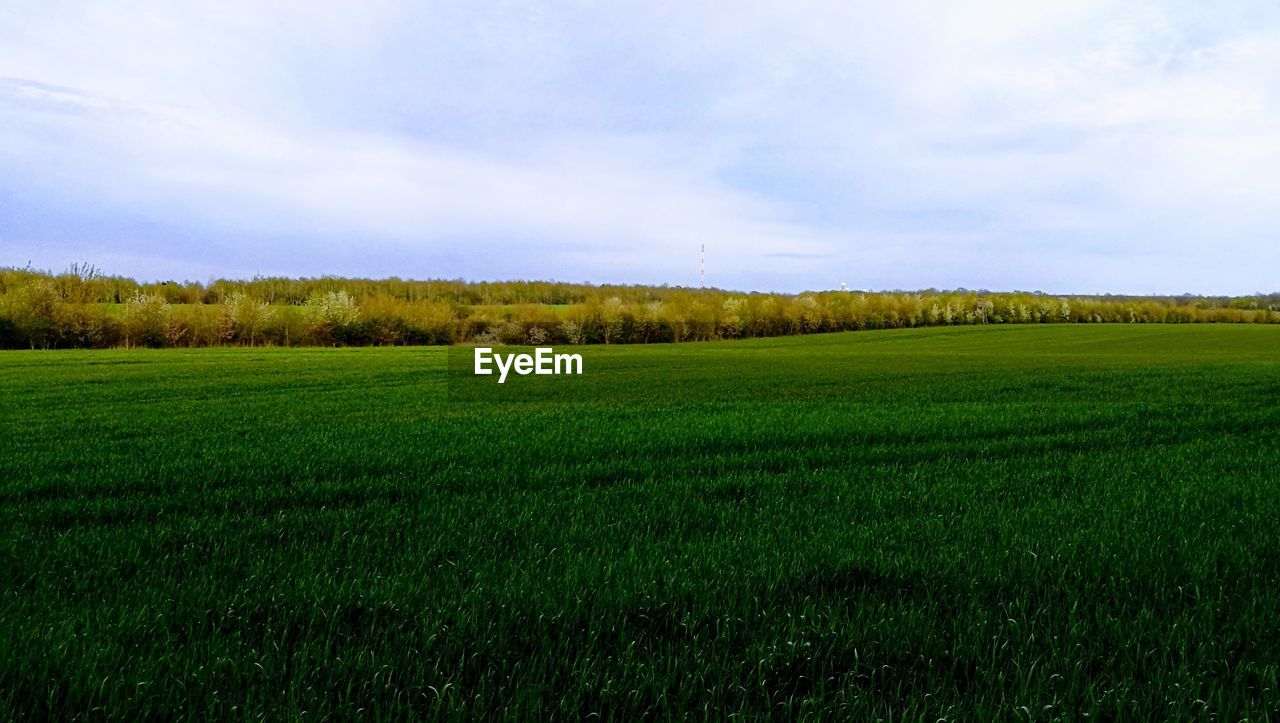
1030	522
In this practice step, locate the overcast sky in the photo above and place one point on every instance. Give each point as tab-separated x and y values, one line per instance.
1071	146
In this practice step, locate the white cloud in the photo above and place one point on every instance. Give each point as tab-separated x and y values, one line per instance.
1063	145
601	199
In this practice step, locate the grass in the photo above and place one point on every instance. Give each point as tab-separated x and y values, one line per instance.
1012	522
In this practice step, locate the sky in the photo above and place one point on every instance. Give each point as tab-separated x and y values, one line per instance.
1081	146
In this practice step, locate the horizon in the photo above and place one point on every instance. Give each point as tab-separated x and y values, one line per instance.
100	273
1129	148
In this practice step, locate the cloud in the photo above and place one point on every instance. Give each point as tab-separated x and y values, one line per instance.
588	197
1071	146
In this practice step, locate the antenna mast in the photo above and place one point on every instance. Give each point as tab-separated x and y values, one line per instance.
702	268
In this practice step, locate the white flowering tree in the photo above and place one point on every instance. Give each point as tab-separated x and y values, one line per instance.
331	312
247	316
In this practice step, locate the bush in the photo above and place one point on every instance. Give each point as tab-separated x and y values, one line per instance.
82	308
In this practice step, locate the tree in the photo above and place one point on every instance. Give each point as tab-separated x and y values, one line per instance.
145	318
332	313
32	311
572	331
247	315
611	319
731	318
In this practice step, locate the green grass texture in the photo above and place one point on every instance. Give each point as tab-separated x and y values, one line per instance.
1016	522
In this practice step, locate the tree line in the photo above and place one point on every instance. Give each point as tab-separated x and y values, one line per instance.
83	308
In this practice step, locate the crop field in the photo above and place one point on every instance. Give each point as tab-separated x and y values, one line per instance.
1031	522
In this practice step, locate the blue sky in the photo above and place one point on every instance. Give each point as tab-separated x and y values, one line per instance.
1071	147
